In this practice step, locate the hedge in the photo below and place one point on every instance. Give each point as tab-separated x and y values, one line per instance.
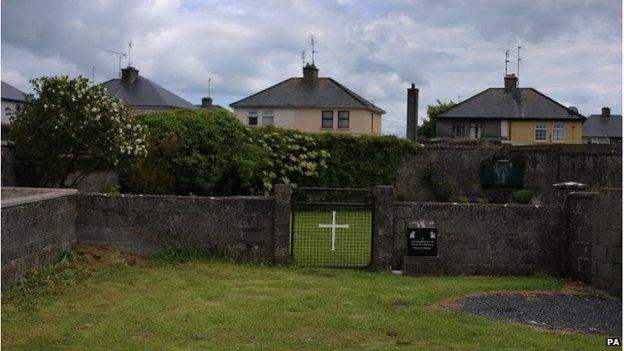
212	153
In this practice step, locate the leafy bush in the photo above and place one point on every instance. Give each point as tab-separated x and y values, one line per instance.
523	197
442	190
197	152
360	161
70	129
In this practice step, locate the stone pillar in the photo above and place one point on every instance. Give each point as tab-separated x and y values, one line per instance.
281	223
561	191
383	227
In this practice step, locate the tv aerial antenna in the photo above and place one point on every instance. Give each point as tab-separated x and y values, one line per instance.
119	55
519	59
506	60
302	57
311	42
209	82
129	53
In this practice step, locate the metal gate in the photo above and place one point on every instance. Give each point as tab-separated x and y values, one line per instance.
332	227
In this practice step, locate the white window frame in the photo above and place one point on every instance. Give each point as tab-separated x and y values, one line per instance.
476	128
541	127
558	134
268	115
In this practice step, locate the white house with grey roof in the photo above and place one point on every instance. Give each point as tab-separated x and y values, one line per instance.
604	128
310	104
12	98
141	95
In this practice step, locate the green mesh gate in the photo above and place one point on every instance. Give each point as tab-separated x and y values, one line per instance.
332	227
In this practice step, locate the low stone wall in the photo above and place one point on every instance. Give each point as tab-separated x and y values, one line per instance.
544	165
484	239
37	227
594	231
240	227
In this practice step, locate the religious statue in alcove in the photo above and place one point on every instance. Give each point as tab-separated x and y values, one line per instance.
502	172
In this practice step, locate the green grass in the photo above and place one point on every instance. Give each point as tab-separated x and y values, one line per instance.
312	245
204	305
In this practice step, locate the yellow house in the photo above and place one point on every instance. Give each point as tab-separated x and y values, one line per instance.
512	115
310	104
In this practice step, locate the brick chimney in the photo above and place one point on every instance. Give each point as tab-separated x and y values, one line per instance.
206	102
606	112
310	73
129	75
412	113
511	83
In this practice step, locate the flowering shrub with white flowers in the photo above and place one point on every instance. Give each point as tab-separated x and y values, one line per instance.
295	158
70	128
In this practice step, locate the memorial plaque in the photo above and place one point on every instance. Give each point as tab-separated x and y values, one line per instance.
422	241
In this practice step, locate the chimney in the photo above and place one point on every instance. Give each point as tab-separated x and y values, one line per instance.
310	73
206	102
129	75
511	83
412	113
606	112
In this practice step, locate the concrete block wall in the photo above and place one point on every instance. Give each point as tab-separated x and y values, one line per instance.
37	227
485	239
594	230
239	227
460	166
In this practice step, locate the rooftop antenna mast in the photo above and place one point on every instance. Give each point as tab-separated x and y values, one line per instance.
312	46
209	81
93	73
120	55
302	57
506	60
129	53
519	59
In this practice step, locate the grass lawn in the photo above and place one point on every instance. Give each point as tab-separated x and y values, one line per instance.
207	305
313	245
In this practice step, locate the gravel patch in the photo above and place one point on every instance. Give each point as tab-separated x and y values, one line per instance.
583	313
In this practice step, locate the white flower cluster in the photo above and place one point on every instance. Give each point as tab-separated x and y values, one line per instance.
83	113
293	156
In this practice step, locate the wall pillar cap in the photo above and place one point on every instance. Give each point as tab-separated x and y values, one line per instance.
570	185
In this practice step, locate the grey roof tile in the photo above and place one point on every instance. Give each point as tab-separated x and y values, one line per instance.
495	103
10	92
145	93
295	93
596	126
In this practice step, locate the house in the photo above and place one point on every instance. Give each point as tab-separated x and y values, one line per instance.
604	128
11	98
141	95
512	114
310	104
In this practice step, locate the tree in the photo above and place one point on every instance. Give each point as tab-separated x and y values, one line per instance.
69	129
428	128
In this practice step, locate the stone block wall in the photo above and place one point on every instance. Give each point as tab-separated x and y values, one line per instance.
460	166
484	239
239	227
37	227
594	230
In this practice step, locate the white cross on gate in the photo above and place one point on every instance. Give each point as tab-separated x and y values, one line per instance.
333	227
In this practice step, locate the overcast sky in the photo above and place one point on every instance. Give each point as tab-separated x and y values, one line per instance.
451	49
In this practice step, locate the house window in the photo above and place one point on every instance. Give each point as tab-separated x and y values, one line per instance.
343	119
540	132
252	118
459	130
558	132
267	118
327	119
475	130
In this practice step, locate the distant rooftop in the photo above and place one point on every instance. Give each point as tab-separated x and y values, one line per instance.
512	102
11	93
603	125
137	91
307	92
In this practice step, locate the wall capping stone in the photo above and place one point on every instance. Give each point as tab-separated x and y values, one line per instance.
20	195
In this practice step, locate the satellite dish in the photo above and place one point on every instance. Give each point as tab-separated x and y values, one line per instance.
573	109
